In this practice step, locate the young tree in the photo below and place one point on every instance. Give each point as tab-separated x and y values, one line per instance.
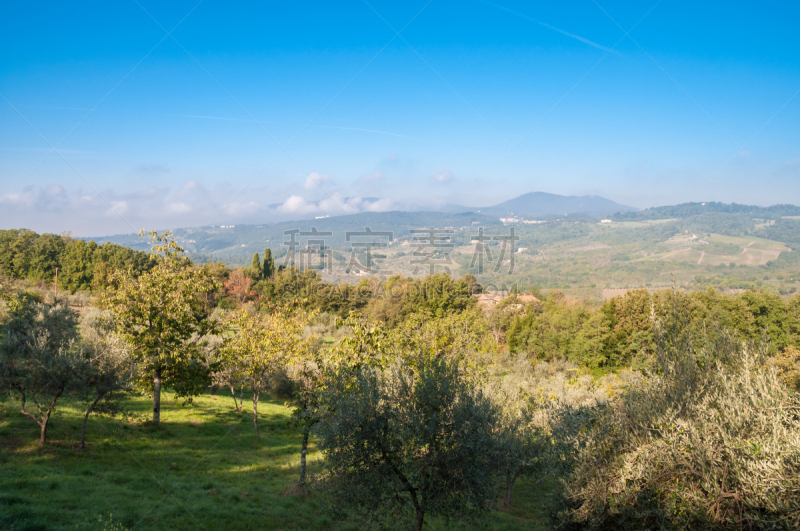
261	345
269	264
306	375
39	360
106	379
417	435
226	373
160	314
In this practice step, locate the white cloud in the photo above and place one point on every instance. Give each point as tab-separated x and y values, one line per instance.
442	175
296	204
335	204
381	205
316	180
179	208
117	208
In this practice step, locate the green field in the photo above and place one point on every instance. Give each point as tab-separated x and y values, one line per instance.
202	469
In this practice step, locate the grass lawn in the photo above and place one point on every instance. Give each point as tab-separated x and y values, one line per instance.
202	469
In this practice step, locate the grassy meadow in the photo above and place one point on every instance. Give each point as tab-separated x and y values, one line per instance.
202	469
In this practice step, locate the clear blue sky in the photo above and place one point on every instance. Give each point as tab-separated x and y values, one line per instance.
474	103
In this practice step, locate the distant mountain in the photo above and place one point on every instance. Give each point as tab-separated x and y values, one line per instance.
544	205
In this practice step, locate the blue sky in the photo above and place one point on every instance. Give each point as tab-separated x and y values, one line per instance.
266	111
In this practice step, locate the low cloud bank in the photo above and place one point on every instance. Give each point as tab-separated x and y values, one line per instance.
52	208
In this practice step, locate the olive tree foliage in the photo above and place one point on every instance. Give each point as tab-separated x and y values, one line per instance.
161	315
530	395
709	439
413	439
106	379
39	358
259	345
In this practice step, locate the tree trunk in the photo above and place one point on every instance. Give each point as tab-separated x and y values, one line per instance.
420	519
233	394
511	478
255	411
43	433
303	451
509	488
157	396
85	419
44	414
410	488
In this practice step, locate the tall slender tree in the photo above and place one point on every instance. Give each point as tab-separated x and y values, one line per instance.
269	264
255	267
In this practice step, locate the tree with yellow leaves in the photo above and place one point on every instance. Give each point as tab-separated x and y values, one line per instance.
258	345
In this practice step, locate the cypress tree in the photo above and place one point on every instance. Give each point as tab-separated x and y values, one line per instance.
269	263
255	266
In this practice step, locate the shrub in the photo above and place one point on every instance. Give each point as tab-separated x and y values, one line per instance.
710	439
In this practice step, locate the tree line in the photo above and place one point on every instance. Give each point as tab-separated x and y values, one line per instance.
81	265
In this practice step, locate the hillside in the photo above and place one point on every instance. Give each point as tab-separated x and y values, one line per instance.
696	209
730	247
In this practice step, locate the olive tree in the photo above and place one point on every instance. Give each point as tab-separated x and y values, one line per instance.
107	376
39	358
415	438
710	439
161	315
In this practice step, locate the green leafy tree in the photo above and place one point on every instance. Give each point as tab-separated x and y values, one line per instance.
161	315
454	334
416	436
77	267
39	360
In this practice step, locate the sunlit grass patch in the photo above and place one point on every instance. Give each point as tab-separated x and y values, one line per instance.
202	468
